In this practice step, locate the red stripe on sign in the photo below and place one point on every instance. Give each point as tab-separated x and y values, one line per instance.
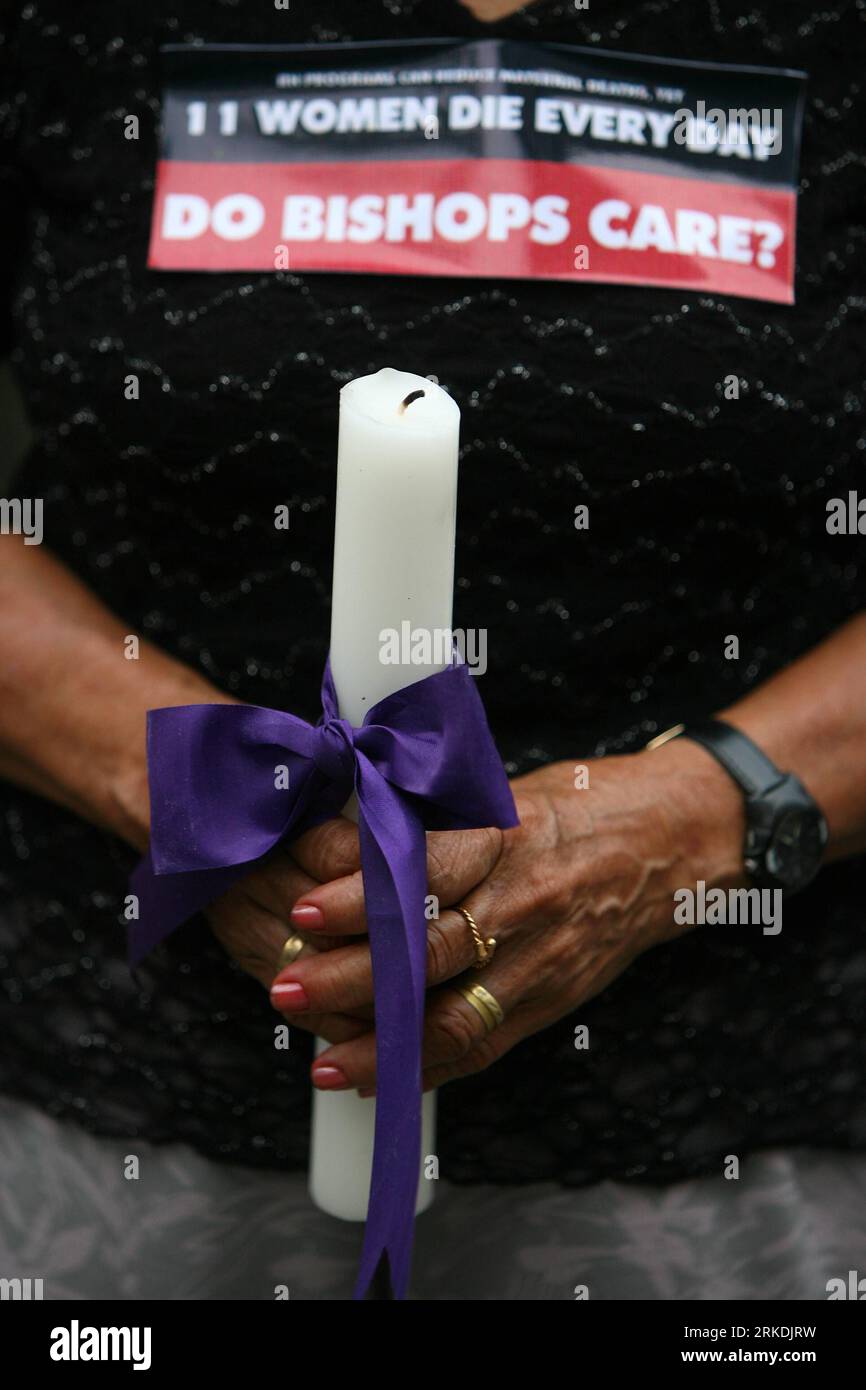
513	218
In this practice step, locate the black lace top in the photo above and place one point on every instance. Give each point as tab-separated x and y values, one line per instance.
707	516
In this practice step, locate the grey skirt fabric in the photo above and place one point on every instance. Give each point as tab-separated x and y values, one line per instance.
187	1228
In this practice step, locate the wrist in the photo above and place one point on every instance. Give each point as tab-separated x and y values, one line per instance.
123	797
706	810
126	804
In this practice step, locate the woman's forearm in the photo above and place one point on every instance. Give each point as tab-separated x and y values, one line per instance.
72	703
811	720
73	706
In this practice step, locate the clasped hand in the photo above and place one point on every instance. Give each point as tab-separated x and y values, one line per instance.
572	895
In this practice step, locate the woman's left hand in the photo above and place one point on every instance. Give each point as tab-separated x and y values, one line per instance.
580	888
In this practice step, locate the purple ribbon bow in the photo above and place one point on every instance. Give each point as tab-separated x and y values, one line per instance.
423	759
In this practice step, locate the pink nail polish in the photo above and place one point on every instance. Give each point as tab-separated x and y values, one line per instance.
307	917
289	997
329	1078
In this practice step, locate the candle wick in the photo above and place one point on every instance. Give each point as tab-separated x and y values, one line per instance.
412	396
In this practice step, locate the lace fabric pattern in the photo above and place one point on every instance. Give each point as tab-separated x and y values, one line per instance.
707	517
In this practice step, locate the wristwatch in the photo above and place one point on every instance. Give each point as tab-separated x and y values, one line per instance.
786	832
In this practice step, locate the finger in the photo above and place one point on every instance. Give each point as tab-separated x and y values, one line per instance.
484	1052
276	884
250	934
330	850
341	980
334	1028
452	1028
457	861
255	938
496	915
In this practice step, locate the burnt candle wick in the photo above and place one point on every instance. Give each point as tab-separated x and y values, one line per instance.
412	396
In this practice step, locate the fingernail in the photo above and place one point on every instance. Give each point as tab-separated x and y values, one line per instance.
308	917
291	998
329	1078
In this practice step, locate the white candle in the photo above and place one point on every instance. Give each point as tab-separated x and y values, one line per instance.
393	565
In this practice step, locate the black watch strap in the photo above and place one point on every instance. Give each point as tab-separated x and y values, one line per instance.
743	759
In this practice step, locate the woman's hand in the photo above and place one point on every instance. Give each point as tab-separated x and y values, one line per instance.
572	895
255	917
253	920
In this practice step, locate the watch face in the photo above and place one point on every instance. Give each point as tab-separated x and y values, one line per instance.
794	854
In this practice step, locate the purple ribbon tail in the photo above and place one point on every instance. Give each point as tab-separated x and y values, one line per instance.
394	859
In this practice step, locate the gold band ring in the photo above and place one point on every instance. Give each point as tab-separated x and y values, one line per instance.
485	1005
292	948
483	949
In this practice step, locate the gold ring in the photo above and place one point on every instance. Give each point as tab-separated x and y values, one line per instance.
485	1005
292	948
483	949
